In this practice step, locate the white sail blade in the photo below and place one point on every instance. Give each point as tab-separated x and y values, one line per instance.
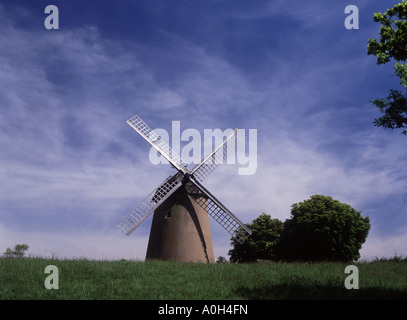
155	140
136	216
216	157
218	211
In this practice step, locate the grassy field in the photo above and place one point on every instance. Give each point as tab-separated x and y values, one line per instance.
23	278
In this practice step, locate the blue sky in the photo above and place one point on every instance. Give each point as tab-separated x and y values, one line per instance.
70	166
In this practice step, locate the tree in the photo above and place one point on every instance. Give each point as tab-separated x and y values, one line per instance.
221	259
322	229
18	252
260	244
392	45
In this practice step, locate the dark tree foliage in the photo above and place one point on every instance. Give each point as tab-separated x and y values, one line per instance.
260	245
18	252
392	45
322	229
393	41
394	108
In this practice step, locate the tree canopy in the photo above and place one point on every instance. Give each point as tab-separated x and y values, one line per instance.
392	45
319	229
260	244
322	229
19	251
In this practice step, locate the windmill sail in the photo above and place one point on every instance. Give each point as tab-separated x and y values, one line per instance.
155	140
218	211
136	216
215	158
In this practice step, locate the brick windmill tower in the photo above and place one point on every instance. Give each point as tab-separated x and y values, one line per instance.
180	230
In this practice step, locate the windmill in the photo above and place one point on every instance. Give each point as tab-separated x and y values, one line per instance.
180	229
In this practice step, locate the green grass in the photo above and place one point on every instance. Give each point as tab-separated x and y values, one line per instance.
23	278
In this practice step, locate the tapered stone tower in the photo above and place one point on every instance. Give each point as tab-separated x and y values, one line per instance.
180	231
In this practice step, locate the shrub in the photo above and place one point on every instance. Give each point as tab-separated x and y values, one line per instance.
18	252
260	244
322	229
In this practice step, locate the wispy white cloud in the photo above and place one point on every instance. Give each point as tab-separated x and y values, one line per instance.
106	245
63	135
67	151
379	245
